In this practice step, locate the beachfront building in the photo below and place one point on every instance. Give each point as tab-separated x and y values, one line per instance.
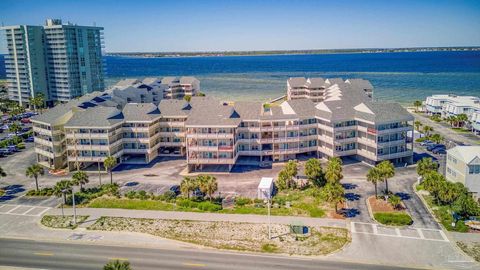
475	122
318	89
452	105
463	166
218	135
60	61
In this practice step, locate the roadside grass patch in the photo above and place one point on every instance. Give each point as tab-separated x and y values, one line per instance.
124	203
471	249
43	192
460	130
393	218
232	235
2	192
61	222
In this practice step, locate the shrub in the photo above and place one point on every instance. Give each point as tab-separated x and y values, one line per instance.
209	207
186	203
40	192
242	201
131	194
168	196
142	195
394	219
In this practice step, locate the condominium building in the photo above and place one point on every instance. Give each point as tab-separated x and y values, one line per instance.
216	134
448	105
318	89
463	166
167	87
60	61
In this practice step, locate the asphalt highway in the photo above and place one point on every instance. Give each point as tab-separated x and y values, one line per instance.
72	256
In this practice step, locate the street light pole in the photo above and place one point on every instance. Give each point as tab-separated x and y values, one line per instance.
99	174
74	210
268	196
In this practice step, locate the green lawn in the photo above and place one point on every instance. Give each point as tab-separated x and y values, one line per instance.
460	130
302	203
393	218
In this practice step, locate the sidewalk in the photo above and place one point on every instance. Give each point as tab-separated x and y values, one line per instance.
99	212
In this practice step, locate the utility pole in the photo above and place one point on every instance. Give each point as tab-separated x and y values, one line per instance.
268	196
74	210
99	174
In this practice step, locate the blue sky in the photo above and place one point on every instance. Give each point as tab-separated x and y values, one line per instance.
204	25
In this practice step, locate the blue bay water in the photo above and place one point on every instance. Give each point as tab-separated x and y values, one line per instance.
401	77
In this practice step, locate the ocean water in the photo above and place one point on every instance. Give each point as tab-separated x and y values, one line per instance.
401	77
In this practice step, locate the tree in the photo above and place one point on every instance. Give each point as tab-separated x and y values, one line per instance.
16	110
374	177
333	172
187	185
395	201
417	103
452	119
427	130
466	206
433	183
208	185
109	163
437	138
417	124
334	194
314	172
292	168
34	171
15	127
2	173
37	101
462	118
61	188
387	170
426	165
117	265
285	180
80	178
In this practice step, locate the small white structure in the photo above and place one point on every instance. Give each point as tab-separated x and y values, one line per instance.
265	188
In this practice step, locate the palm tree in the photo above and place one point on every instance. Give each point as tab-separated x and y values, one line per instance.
387	170
333	193
2	173
437	138
374	177
37	101
208	185
427	130
35	171
417	103
451	120
426	165
395	201
80	178
417	124
109	163
462	118
61	188
117	265
187	185
15	127
313	171
333	172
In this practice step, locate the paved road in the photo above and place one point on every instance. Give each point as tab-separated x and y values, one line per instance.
48	255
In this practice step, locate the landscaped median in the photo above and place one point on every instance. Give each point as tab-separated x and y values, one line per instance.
388	213
62	222
251	237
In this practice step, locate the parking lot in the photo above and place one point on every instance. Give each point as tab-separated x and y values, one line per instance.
23	210
408	232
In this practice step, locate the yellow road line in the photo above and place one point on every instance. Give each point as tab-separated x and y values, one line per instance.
194	264
120	259
43	254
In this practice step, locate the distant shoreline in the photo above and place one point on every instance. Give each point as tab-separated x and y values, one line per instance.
288	52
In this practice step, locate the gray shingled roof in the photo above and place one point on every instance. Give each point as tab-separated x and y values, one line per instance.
207	111
385	112
140	112
96	117
297	81
173	108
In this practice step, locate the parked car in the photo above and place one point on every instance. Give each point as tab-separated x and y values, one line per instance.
175	189
12	148
426	143
5	151
29	139
440	151
198	193
433	146
25	120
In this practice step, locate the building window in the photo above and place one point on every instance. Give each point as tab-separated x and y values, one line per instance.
474	169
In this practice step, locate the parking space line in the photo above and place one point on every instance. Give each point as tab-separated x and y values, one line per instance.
3	205
13	209
397	231
41	213
443	235
375	228
420	233
29	209
353	229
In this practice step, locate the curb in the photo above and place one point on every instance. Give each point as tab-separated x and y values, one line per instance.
370	213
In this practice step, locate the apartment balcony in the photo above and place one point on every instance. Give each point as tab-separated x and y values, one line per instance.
354	127
289	127
88	147
325	138
43	142
392	143
206	148
140	140
367	142
42	131
345	153
367	154
210	135
250	129
136	150
87	135
325	127
225	161
172	124
345	140
395	155
172	134
85	159
136	129
250	152
178	144
313	125
44	152
325	150
394	130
